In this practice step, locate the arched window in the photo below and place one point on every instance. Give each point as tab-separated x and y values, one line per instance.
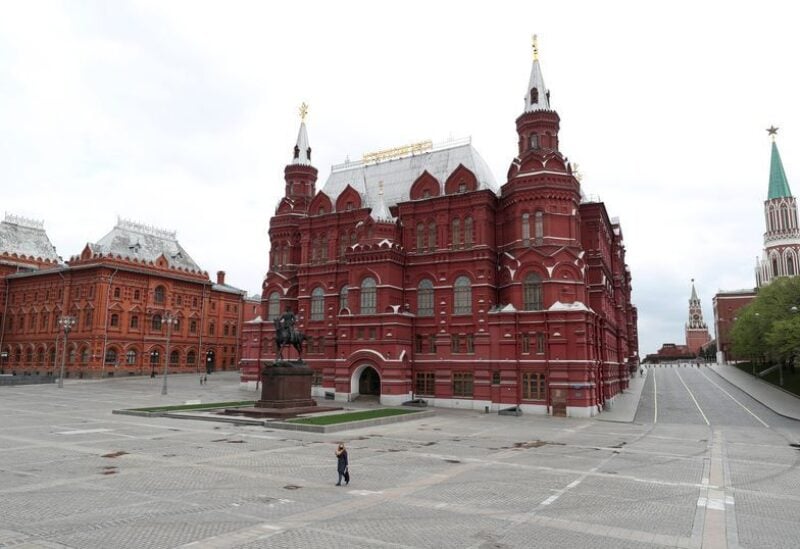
775	267
425	298
317	303
273	306
134	321
114	319
111	356
532	293
432	237
84	355
784	218
29	355
343	298
526	229
368	296
534	96
468	232
155	324
462	296
323	251
342	244
790	265
314	250
52	356
191	357
420	237
159	295
130	357
40	356
353	239
534	141
116	292
538	226
212	329
456	233
285	253
174	357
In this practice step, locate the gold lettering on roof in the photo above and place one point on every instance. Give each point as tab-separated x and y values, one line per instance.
397	152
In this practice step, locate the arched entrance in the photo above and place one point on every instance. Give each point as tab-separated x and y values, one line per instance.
369	382
365	380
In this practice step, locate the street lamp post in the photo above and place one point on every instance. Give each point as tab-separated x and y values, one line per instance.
65	323
170	320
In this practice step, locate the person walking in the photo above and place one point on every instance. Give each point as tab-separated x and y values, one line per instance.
342	465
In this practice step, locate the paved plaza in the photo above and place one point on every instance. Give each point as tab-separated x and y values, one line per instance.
702	464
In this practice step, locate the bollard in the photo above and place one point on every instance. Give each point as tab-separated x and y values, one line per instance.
485	409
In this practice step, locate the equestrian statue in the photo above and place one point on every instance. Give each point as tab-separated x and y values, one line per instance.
286	334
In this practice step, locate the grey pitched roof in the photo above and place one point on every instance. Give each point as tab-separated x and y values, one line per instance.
399	174
143	242
26	237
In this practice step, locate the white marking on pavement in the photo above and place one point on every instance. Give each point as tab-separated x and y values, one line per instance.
746	409
655	399
550	500
573	484
694	399
84	431
364	492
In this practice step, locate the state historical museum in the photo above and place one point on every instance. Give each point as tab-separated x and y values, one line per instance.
415	275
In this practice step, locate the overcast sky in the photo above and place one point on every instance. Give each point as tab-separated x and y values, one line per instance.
183	115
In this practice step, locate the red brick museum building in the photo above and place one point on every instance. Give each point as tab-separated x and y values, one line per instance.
120	291
415	275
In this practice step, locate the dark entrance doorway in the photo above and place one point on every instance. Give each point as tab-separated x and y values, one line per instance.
369	383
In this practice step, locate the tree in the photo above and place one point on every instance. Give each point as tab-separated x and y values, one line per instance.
769	328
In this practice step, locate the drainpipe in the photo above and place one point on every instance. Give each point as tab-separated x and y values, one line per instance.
105	331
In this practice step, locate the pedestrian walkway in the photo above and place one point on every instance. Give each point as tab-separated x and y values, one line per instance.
779	401
623	410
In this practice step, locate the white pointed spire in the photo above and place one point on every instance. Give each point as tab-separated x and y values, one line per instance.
536	98
302	152
380	212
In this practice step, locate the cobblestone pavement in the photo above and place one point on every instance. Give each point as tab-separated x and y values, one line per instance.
703	465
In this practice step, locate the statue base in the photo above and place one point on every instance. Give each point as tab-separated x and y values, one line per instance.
286	384
285	392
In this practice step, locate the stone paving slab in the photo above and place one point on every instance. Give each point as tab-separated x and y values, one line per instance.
458	478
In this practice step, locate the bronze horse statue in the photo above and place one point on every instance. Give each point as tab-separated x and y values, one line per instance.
287	335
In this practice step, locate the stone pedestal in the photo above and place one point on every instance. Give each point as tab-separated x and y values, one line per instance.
285	392
284	385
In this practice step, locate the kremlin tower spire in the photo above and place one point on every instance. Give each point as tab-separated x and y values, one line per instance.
696	328
782	237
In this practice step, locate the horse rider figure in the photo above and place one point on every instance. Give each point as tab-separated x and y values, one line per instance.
286	334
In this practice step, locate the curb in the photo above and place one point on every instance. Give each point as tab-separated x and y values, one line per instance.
280	424
732	382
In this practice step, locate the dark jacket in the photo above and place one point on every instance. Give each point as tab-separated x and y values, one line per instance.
341	466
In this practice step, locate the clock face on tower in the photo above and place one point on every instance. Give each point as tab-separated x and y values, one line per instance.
696	316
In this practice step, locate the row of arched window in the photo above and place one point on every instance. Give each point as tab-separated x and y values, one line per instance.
532	295
783	265
782	218
41	356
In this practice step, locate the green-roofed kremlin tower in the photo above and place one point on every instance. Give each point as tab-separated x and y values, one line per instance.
782	237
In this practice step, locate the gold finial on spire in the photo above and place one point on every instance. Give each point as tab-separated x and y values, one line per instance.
303	111
535	44
772	131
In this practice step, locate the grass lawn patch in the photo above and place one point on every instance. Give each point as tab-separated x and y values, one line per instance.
352	416
206	406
